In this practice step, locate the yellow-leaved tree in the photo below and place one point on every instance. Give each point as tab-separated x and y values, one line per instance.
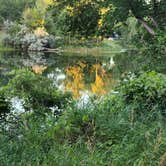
35	17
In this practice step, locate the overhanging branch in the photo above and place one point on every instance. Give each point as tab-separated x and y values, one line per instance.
146	26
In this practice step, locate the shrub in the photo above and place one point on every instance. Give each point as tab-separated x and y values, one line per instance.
21	37
106	131
147	90
4	104
37	91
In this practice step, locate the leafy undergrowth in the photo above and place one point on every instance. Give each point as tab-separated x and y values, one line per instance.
126	128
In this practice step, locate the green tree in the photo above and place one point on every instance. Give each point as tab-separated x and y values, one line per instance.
76	17
12	9
35	16
149	13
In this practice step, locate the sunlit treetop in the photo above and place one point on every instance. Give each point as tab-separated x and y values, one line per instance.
43	4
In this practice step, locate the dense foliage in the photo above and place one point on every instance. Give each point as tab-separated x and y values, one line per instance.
97	134
137	20
102	17
124	128
23	38
30	88
12	10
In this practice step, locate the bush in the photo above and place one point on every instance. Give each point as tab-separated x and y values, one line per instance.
21	37
37	91
147	90
106	131
4	105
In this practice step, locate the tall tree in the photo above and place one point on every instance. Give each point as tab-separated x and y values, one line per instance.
76	17
150	13
12	9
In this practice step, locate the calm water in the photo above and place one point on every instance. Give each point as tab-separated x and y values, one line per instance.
81	74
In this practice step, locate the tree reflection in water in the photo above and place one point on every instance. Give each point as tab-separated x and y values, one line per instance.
38	69
99	83
75	79
92	78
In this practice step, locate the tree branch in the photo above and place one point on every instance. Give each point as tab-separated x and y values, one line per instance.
146	26
154	21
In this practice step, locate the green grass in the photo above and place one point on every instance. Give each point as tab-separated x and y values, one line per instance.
123	129
3	49
93	48
83	47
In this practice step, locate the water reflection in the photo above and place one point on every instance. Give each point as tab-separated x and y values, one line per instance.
91	78
83	75
99	85
34	58
39	69
75	81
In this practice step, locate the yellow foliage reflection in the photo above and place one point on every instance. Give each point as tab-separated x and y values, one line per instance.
93	79
75	79
98	87
38	69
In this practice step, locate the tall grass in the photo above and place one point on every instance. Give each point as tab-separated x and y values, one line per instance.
127	128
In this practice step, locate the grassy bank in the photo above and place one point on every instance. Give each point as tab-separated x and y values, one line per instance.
92	47
126	128
3	49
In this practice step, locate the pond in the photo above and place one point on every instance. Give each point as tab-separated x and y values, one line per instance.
81	74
